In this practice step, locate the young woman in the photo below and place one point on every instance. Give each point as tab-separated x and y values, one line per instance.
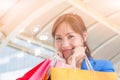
70	39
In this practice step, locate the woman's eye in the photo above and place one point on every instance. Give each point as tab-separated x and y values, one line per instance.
58	38
70	36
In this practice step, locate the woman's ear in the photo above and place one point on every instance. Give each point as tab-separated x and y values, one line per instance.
85	36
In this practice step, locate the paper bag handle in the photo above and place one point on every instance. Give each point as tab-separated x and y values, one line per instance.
56	57
89	66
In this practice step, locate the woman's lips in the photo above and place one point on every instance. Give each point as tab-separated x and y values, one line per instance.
68	51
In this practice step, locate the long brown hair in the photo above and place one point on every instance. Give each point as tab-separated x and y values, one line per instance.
77	25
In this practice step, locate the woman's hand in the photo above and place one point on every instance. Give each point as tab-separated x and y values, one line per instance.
74	60
77	58
60	58
61	62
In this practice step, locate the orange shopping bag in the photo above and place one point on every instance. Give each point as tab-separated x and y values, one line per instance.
39	72
76	74
72	74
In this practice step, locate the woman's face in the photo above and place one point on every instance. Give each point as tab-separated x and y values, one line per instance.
66	39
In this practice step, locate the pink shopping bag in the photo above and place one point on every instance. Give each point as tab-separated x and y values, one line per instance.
39	72
60	64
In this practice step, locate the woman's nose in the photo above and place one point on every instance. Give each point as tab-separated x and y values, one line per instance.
65	45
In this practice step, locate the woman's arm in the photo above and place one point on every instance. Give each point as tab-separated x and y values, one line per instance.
103	65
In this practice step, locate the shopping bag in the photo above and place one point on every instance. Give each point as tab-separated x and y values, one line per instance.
39	72
76	74
60	64
72	74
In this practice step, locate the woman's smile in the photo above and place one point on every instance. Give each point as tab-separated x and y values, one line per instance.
68	51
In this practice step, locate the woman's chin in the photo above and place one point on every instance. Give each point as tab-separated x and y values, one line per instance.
67	55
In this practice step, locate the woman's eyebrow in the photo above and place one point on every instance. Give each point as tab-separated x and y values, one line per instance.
65	34
69	33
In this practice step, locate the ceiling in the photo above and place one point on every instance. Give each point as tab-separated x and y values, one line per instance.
31	21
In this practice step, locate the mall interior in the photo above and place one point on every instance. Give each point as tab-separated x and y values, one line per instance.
25	31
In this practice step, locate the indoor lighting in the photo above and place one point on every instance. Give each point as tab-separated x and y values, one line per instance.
29	41
36	28
37	52
43	37
5	5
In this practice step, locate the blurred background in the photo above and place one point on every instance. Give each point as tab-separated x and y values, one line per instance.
25	31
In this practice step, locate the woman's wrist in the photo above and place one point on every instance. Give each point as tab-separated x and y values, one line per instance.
78	65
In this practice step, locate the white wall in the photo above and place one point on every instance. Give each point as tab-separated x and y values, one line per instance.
13	75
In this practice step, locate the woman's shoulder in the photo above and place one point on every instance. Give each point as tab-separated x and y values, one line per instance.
102	65
101	61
